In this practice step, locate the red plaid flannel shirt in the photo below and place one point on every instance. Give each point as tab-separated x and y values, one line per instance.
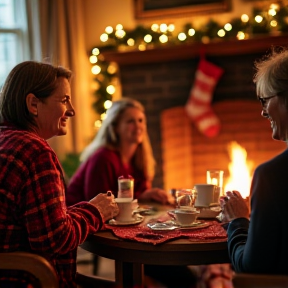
33	213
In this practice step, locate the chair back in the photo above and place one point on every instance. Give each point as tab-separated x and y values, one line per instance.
259	281
36	265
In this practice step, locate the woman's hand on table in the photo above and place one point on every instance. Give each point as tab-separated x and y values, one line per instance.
158	195
233	206
106	205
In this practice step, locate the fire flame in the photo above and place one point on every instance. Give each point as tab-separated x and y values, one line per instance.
239	169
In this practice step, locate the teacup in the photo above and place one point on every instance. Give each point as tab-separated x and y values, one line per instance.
126	207
186	217
205	195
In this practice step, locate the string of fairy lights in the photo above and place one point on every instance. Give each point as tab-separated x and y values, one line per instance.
273	19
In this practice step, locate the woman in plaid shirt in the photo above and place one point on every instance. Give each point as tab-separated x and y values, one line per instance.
35	106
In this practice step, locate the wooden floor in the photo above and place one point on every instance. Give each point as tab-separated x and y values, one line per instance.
85	265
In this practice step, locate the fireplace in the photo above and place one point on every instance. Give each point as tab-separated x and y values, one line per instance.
187	154
161	80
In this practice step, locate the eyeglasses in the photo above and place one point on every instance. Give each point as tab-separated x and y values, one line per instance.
263	100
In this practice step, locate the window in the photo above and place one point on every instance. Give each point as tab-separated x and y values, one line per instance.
13	35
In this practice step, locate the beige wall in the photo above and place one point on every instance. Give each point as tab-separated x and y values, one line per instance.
102	13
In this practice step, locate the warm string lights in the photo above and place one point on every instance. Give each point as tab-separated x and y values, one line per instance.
274	19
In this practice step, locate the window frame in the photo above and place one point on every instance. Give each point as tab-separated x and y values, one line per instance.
20	29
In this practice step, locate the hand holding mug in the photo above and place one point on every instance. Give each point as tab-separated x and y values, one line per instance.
106	205
233	206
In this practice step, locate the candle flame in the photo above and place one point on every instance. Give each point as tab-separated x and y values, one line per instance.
214	181
239	169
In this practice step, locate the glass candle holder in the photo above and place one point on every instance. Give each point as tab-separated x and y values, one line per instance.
126	187
215	177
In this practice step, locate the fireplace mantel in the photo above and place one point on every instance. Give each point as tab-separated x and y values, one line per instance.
191	50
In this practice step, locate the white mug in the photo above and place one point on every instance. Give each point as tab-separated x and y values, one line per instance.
126	207
205	195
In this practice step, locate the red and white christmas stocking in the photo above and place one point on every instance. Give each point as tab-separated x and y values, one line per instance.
198	106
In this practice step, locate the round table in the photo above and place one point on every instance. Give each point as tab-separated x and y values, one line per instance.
131	256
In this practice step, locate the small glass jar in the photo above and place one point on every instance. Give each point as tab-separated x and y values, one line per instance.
185	198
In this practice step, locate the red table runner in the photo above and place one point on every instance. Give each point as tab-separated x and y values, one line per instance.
141	233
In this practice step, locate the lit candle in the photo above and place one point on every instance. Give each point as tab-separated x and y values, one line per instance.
214	181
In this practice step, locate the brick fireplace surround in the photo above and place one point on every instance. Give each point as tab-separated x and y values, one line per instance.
161	80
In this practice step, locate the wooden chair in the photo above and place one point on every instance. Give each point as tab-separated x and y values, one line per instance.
259	281
35	265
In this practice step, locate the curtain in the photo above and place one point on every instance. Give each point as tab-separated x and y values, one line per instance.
62	43
33	31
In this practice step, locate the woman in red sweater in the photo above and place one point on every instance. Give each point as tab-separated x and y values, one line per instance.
120	148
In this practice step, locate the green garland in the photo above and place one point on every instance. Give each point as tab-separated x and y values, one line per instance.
209	31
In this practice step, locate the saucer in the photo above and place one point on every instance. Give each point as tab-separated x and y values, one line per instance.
162	226
137	219
179	210
145	210
195	225
209	212
172	225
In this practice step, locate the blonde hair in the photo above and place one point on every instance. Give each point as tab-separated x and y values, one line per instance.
106	137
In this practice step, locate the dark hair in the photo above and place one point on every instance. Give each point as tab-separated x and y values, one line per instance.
27	77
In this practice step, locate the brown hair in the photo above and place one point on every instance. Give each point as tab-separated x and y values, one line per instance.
27	77
106	137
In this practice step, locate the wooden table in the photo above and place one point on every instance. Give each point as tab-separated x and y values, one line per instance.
130	256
